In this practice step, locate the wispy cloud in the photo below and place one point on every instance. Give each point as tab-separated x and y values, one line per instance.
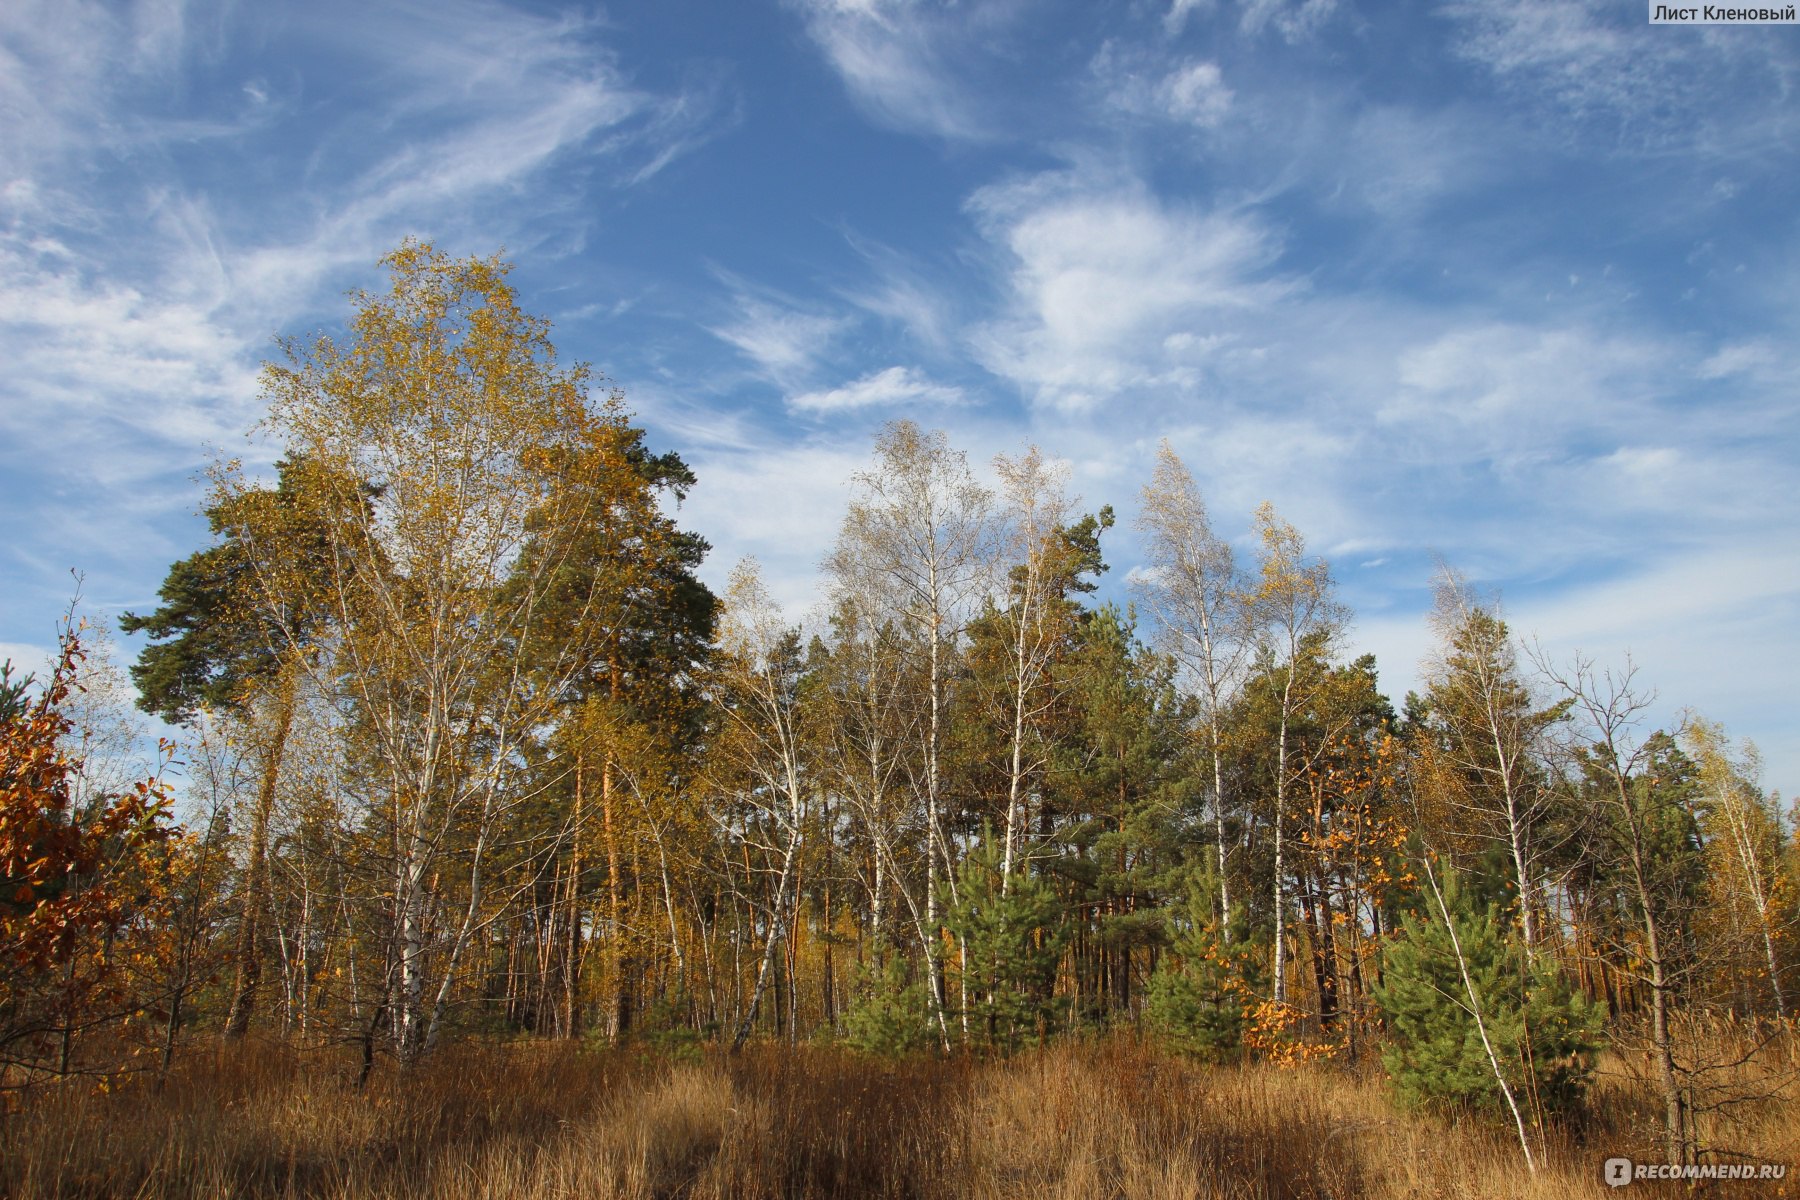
780	499
28	658
1600	71
902	61
1758	361
904	295
894	387
1176	19
1110	288
1398	163
162	214
1514	283
785	341
1294	20
154	360
1700	625
1511	395
62	62
1187	91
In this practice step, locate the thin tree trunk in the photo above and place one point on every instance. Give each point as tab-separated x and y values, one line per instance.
571	1006
1517	831
1280	952
249	939
1662	1044
1745	846
1475	1010
619	1018
934	836
777	915
1218	767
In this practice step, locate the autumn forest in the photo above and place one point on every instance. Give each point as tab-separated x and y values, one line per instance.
482	792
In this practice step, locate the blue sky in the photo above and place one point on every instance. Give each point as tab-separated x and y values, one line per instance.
1513	283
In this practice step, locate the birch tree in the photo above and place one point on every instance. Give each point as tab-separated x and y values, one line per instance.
1638	816
1744	831
437	448
1296	617
227	639
869	723
1488	750
762	750
1043	557
918	534
1196	596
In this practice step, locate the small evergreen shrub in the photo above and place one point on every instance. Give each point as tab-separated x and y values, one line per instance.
665	1029
891	1014
1544	1033
1198	994
1013	934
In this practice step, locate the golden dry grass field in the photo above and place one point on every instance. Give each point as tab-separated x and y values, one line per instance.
1105	1119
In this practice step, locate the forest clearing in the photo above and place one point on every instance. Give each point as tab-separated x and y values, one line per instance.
510	860
1070	1122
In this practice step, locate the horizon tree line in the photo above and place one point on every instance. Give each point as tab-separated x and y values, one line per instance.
476	752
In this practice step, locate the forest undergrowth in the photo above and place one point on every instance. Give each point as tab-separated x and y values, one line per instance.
1106	1118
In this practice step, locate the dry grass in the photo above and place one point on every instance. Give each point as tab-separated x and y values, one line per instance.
1111	1119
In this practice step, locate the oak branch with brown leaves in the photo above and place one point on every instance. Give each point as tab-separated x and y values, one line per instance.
87	892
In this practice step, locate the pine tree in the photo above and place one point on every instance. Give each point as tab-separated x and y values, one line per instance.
229	638
1199	993
1013	935
891	1014
457	487
15	691
1542	1033
1117	775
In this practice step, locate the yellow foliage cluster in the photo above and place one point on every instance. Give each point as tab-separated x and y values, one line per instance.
83	895
1272	1031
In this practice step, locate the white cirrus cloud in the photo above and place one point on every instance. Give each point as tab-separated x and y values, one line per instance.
1706	626
1758	361
783	340
1294	20
1196	92
888	58
180	181
1176	19
1599	71
1514	394
779	500
1187	92
893	387
1109	288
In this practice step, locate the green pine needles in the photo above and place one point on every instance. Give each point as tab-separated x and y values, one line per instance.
1012	932
1543	1033
1197	1000
891	1015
